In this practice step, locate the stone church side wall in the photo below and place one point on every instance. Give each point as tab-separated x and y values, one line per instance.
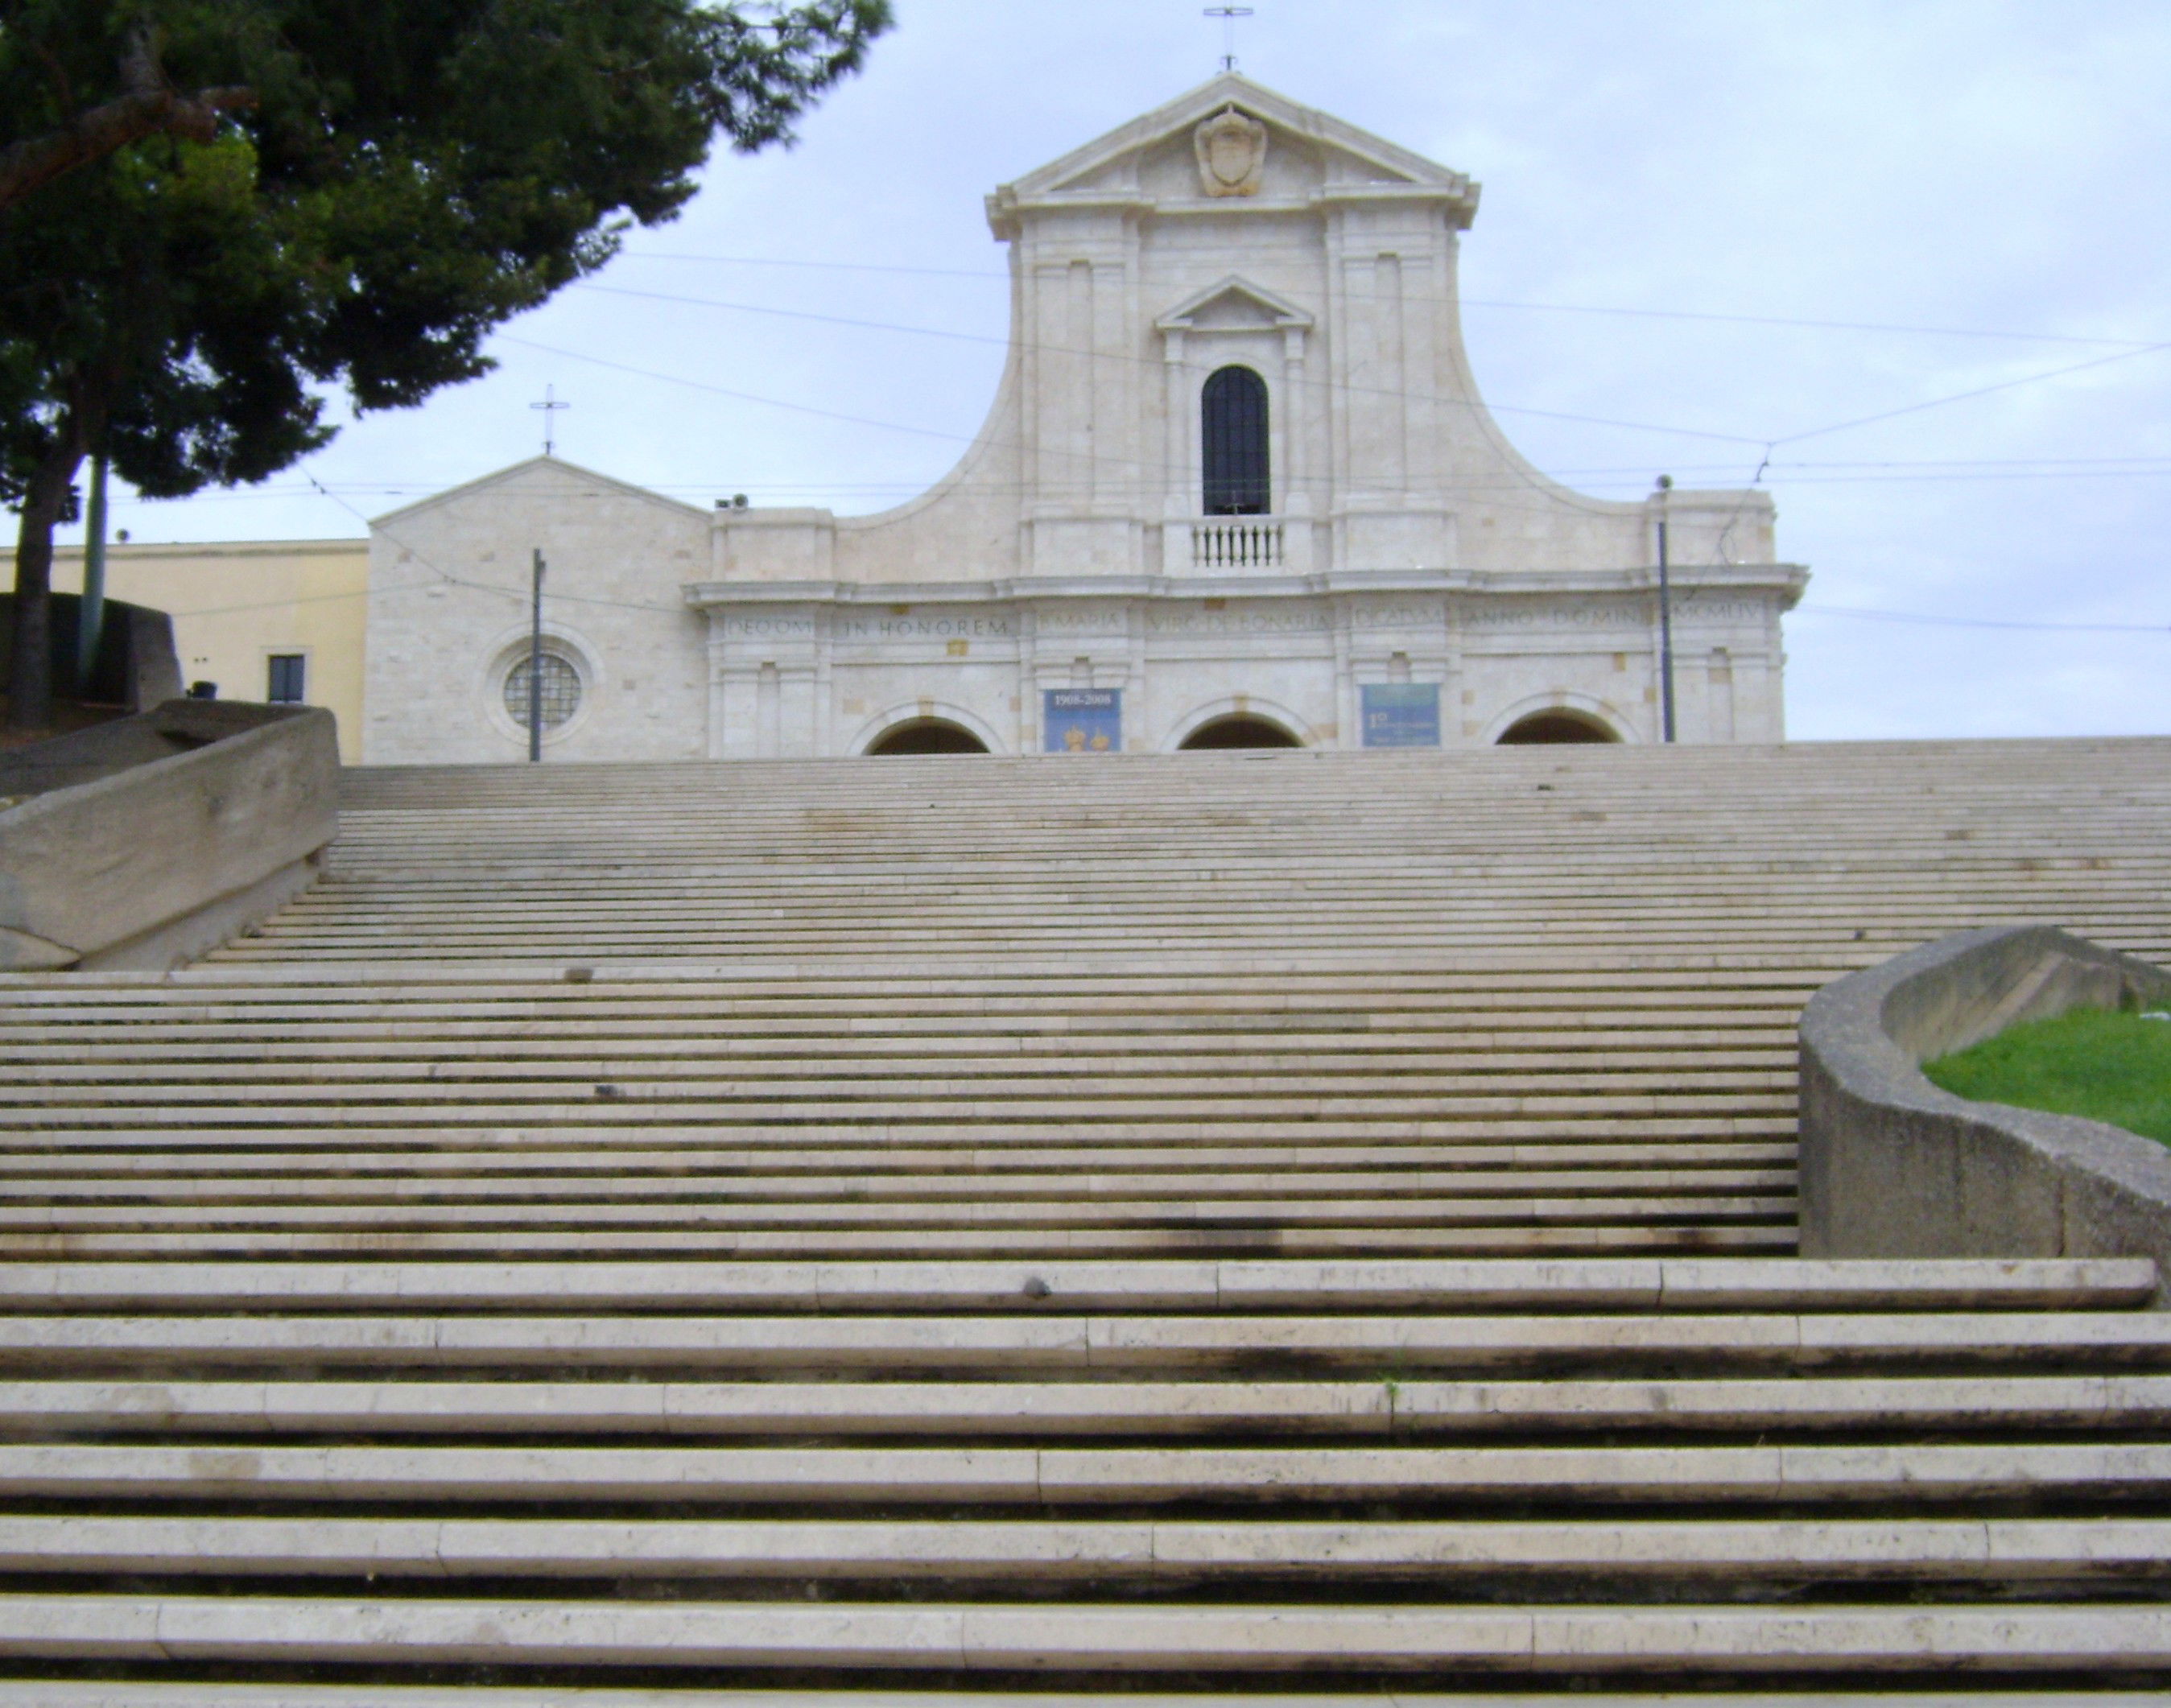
449	616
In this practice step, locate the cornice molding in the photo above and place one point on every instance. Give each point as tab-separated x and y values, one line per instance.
1786	580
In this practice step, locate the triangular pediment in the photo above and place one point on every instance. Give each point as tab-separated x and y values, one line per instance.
544	477
1233	302
1338	153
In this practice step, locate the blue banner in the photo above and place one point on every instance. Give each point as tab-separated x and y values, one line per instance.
1083	720
1402	715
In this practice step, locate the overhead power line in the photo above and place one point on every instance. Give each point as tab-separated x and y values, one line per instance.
924	433
1978	392
1926	618
2122	355
680	379
1633	482
1341	386
1900	328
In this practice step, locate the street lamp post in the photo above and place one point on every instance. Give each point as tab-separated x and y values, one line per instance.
1665	618
535	667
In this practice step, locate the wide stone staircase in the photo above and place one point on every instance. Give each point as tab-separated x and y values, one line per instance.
949	1230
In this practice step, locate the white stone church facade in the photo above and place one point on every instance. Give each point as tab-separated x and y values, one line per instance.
1236	486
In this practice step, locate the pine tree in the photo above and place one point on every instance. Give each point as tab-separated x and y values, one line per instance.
220	207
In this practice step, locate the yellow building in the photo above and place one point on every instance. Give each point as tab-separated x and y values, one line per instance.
244	612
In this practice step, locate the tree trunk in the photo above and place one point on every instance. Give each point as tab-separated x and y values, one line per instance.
31	685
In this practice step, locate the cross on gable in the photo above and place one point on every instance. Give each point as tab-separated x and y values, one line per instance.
1228	15
550	406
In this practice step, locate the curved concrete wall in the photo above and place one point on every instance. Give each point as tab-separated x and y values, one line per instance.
1894	1167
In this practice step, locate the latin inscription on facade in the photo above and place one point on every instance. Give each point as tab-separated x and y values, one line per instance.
1512	615
770	628
959	627
1702	610
858	628
1606	613
1099	621
1238	623
1393	616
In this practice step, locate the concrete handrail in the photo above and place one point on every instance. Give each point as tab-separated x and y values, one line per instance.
146	842
1894	1167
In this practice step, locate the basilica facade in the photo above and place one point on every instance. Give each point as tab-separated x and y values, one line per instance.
1237	488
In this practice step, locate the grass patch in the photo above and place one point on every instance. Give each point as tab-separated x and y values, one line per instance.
2098	1063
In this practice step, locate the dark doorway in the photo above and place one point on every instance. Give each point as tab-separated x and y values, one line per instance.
1547	727
1239	731
1233	414
929	736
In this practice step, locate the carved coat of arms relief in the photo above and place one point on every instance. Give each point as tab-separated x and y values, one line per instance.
1232	152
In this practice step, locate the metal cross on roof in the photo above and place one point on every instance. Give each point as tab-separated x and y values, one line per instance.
1228	15
550	406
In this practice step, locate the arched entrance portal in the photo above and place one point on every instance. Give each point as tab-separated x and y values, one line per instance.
928	735
1555	726
1239	731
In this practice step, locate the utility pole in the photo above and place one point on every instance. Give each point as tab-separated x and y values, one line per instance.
1665	616
535	668
90	609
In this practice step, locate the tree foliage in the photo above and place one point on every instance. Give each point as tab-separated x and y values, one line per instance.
305	193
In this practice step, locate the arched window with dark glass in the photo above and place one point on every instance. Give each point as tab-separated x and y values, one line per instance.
1233	413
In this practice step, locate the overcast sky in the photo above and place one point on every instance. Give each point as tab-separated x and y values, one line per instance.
1977	188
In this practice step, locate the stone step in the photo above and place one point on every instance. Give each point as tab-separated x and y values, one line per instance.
358	925
249	1132
356	920
1441	1117
93	1156
1390	1211
797	1017
136	1693
181	1186
585	1240
575	1057
1683	1284
1659	1555
1016	912
567	1039
1002	1101
2096	1287
1519	857
1923	1476
1091	1072
760	1021
1924	1640
522	939
1014	1344
1219	988
1795	1405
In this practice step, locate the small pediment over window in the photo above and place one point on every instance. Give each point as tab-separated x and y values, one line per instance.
1234	305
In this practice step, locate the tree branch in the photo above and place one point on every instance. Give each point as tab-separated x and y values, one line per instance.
148	106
